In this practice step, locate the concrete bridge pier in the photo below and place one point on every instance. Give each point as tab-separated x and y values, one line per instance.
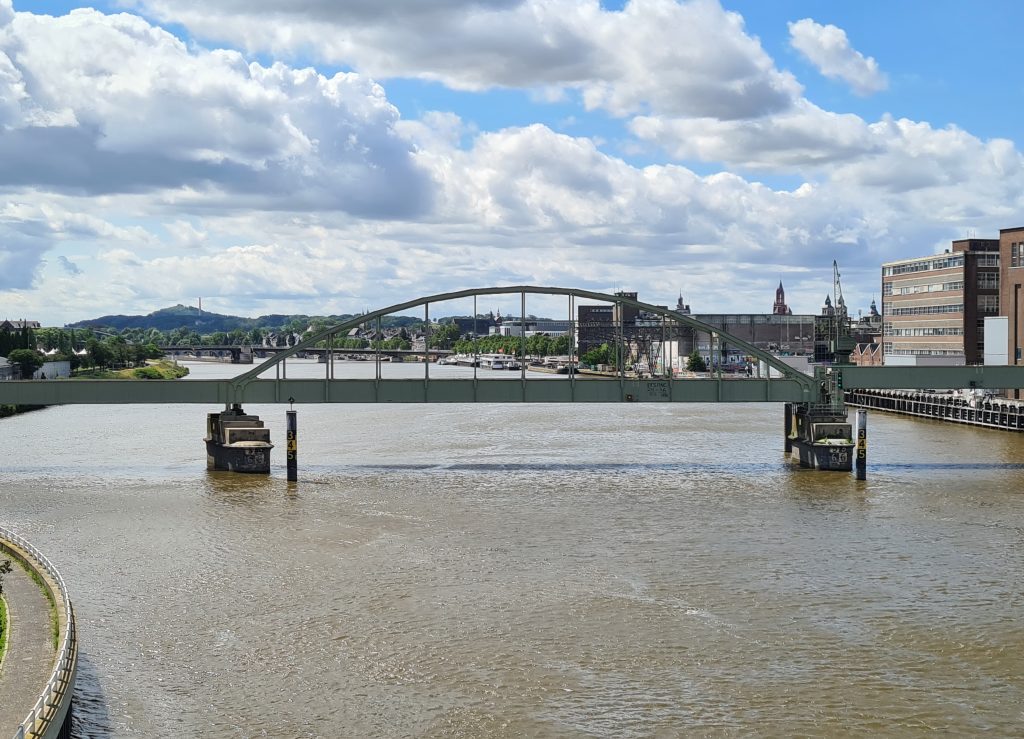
822	437
237	442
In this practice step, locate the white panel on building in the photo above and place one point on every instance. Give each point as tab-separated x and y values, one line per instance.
997	340
801	364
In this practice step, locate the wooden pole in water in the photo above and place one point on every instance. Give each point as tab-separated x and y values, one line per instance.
293	446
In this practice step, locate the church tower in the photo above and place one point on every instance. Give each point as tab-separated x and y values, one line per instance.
827	309
780	308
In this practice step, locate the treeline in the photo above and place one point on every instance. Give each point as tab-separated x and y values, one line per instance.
182	324
13	340
82	348
538	345
94	348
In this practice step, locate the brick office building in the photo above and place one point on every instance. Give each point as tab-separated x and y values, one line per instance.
936	306
1011	303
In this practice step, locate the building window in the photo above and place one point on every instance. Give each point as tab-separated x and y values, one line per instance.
886	288
926	309
988	304
1017	254
924	331
988	280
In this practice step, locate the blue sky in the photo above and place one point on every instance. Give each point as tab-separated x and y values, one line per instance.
344	156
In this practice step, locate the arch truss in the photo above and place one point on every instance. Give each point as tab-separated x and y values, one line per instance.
790	385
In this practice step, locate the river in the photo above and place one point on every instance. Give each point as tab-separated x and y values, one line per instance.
630	570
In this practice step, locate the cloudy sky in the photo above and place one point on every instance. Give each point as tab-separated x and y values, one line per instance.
328	156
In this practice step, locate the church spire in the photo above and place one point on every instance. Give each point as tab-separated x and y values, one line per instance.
780	308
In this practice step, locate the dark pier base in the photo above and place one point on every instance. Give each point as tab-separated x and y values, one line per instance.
821	437
237	442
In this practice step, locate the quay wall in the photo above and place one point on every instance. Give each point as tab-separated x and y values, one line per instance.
994	413
50	717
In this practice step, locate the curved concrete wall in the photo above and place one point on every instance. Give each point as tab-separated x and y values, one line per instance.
50	717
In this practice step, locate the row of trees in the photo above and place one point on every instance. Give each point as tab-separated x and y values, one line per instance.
538	345
22	349
13	340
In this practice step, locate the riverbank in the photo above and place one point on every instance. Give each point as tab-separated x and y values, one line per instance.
163	369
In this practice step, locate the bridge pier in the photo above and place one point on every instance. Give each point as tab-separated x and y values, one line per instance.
823	438
237	442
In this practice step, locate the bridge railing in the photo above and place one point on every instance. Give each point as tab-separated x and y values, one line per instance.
57	691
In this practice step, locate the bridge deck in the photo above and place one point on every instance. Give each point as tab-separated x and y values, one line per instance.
582	389
548	390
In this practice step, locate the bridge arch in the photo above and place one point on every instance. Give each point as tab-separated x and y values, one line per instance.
808	383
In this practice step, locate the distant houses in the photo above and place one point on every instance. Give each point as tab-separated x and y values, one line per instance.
9	325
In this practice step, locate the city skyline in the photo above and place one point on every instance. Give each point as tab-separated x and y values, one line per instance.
335	158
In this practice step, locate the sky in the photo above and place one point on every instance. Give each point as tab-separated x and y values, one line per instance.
326	157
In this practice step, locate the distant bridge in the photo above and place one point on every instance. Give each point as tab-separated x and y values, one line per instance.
238	350
791	386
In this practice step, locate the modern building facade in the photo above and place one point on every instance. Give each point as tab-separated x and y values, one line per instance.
600	324
936	306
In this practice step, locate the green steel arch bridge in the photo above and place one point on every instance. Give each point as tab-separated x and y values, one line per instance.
789	386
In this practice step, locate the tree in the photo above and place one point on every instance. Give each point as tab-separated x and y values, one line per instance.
7	342
599	355
444	336
27	361
696	363
98	353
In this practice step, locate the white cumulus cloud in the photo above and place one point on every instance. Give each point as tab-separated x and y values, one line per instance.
691	58
828	48
96	103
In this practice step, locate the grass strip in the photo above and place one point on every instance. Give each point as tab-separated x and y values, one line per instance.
3	630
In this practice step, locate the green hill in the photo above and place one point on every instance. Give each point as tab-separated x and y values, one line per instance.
205	322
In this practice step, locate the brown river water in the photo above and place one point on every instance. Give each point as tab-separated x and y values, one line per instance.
633	570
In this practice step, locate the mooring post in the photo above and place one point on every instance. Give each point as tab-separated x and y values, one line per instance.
861	464
788	427
293	446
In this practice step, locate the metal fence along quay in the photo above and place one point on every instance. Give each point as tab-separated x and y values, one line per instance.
55	698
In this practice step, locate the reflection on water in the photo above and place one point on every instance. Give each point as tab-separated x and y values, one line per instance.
529	570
